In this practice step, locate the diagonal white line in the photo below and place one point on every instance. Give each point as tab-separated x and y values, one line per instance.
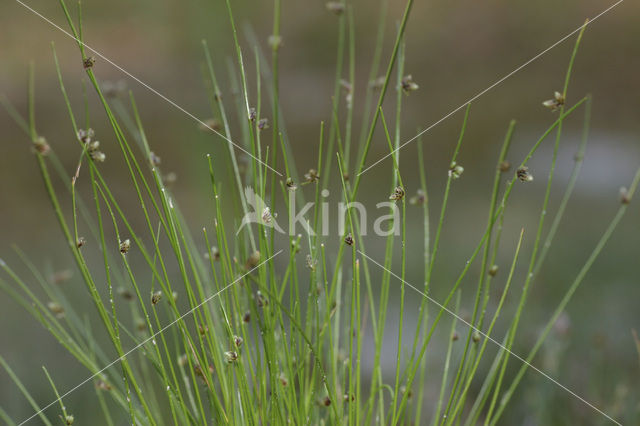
524	361
190	311
539	55
151	89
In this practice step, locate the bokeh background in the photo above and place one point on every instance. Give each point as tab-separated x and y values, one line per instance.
453	51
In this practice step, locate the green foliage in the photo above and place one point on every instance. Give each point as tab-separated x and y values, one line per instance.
251	333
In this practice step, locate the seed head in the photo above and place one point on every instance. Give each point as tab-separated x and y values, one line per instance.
238	341
408	85
68	420
455	170
210	124
283	380
56	309
261	300
311	176
335	7
377	83
404	390
231	356
252	114
275	41
41	146
246	317
182	360
154	159
524	175
170	178
475	337
311	262
398	194
125	246
625	197
290	184
155	297
203	329
493	270
215	253
253	260
263	124
174	295
80	242
505	166
455	336
102	385
89	62
348	240
125	294
266	215
85	136
555	103
326	401
419	198
348	398
98	156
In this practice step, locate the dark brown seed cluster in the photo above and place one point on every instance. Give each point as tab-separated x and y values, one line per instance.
237	340
398	194
263	124
231	356
290	184
125	246
89	62
348	240
80	242
505	166
155	297
524	175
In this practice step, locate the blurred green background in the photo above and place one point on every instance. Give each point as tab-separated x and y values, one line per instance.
453	51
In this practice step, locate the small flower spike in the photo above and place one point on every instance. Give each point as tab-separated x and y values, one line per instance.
408	85
556	102
398	194
455	170
524	175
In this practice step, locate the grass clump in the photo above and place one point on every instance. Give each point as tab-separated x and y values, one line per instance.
263	328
